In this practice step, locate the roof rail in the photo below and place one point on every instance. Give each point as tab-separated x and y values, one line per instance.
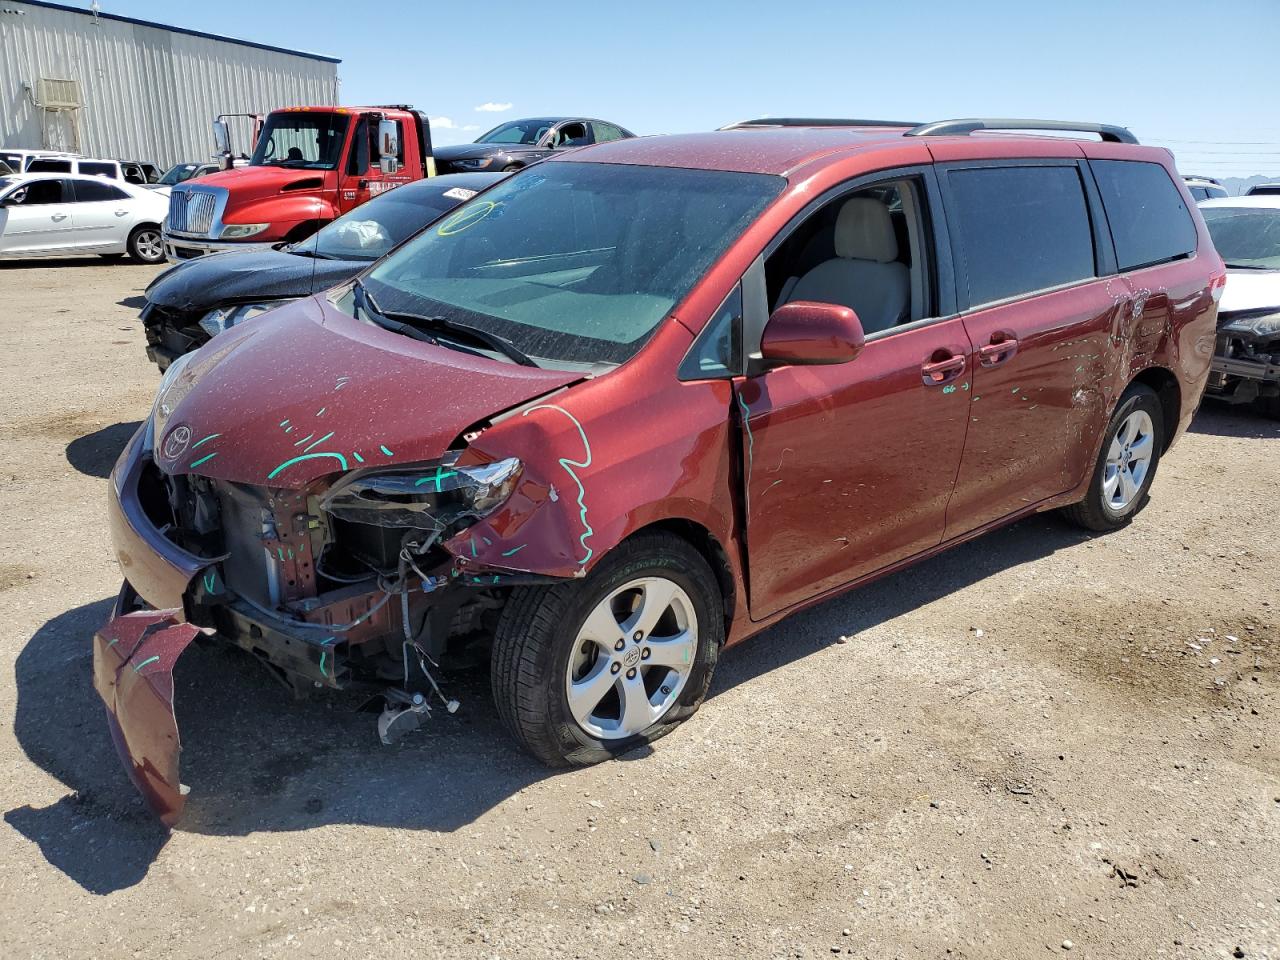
949	128
816	122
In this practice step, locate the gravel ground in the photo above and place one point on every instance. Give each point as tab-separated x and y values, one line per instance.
1040	742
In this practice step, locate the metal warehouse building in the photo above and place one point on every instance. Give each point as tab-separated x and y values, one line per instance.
115	87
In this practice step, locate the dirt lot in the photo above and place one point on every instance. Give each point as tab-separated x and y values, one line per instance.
1040	742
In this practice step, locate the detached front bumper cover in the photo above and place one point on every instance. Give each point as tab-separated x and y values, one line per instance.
133	659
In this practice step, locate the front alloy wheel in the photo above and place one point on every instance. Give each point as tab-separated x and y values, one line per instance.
633	657
587	669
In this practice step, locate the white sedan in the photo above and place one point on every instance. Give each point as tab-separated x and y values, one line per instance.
43	215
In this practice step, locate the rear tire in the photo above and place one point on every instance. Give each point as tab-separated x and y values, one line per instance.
1126	464
145	244
550	641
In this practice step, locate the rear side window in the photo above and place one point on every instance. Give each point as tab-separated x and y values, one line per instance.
87	191
1149	221
98	169
1021	229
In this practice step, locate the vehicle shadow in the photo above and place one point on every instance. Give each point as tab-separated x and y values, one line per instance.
26	263
258	761
1219	419
133	303
95	453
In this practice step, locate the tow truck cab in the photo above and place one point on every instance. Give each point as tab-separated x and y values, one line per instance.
309	166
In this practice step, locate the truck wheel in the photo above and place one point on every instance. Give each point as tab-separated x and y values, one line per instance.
585	670
1126	464
145	244
512	168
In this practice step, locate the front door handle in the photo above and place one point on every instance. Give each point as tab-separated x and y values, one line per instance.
938	372
998	350
58	216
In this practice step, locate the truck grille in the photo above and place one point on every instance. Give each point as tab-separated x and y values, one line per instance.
191	211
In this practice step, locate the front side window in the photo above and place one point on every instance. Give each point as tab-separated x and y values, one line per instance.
304	141
88	191
38	192
573	261
572	135
517	131
1247	238
1149	221
1020	229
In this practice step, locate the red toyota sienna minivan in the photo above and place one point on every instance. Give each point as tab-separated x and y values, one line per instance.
638	402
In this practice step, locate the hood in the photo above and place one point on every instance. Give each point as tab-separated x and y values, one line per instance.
254	183
1250	290
472	151
240	276
314	391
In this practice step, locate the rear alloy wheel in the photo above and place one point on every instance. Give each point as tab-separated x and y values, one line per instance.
586	670
1126	464
146	245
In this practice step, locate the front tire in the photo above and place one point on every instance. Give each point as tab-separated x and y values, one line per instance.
145	244
1126	464
586	670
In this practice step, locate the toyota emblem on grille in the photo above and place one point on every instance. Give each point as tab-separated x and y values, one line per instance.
176	442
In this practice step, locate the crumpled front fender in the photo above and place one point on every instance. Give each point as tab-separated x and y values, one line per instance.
133	659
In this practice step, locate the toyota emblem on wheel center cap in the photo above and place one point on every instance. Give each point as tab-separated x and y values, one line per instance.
632	657
176	442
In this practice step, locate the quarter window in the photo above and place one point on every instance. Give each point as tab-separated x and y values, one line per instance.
92	169
1149	221
606	132
1021	229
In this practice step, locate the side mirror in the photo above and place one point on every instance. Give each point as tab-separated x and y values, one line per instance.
221	136
805	332
388	146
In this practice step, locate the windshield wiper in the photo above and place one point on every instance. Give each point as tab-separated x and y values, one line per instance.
449	326
420	327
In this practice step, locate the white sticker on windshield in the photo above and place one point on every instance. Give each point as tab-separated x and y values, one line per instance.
460	193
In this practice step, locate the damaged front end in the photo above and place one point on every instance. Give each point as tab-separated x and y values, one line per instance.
342	585
1246	361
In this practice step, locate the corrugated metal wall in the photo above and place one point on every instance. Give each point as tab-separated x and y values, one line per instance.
148	93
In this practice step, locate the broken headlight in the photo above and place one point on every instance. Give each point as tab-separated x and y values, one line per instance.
226	317
434	497
1260	324
174	386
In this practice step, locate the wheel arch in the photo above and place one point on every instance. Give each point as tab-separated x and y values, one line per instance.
1166	388
711	550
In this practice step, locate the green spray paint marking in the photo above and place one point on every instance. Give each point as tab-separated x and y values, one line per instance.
359	459
288	429
568	468
304	439
487	541
441	475
965	385
114	641
206	457
512	553
145	662
284	422
751	446
280	552
473	546
211	436
386	452
317	443
208	583
323	654
320	412
950	389
1015	389
306	456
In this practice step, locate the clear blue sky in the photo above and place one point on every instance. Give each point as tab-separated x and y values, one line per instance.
1199	77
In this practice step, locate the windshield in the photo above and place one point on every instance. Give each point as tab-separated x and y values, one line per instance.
1245	236
517	131
373	228
179	173
306	141
573	261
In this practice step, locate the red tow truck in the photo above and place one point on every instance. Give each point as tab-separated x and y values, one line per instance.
309	166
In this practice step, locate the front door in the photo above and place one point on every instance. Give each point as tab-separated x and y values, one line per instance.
1029	260
363	178
37	217
103	213
849	467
